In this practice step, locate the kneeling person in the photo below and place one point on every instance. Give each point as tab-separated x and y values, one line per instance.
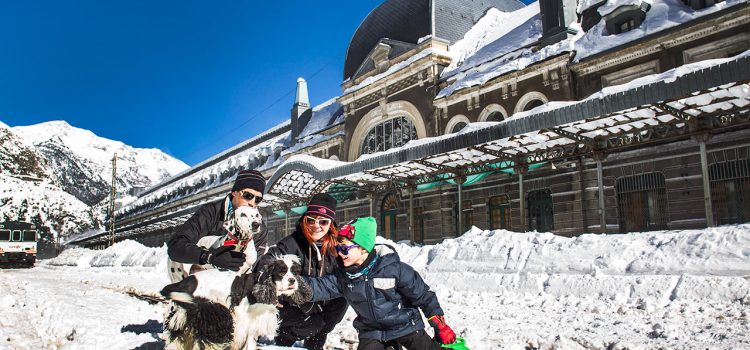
383	291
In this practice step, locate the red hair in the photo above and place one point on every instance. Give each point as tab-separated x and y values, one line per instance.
329	240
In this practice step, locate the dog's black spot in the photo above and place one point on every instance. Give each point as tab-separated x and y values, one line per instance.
208	322
242	286
187	285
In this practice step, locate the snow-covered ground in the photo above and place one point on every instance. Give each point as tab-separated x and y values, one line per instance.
500	290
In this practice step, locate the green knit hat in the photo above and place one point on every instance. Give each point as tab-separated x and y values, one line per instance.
363	233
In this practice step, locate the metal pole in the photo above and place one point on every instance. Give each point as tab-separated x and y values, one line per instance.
112	202
706	182
411	214
600	183
460	209
287	212
370	195
522	200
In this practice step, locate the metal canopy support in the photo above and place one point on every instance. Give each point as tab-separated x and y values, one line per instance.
286	220
706	180
460	209
411	213
522	197
370	195
600	182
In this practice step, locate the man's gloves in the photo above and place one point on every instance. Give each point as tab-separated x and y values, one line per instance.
224	257
443	333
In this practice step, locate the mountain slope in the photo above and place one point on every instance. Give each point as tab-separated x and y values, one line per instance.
82	161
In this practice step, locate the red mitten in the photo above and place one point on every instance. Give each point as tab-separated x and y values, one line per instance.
443	332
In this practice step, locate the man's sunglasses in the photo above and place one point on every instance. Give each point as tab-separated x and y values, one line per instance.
344	249
249	196
322	222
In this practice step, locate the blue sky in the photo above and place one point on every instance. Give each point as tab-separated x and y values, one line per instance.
180	76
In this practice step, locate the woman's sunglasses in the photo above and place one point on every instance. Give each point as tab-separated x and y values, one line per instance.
249	196
322	222
344	249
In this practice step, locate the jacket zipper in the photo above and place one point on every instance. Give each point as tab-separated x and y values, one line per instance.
369	303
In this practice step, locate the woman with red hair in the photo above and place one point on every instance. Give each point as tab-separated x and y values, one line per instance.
314	242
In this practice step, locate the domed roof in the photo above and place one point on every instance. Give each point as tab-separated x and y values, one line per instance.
409	20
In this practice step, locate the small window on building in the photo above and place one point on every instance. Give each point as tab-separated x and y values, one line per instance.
533	104
626	18
499	208
642	202
730	191
495	117
722	48
4	235
700	4
540	212
458	127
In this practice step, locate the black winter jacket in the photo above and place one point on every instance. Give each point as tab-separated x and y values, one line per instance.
386	299
297	244
208	220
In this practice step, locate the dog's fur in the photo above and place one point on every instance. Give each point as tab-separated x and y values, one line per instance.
245	224
212	309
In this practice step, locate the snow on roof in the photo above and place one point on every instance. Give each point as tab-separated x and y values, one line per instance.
494	25
311	141
511	52
609	6
323	117
210	177
664	14
394	68
3	125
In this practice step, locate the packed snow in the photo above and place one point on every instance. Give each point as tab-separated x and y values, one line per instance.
499	289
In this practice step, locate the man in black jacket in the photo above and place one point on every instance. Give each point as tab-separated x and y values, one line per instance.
209	220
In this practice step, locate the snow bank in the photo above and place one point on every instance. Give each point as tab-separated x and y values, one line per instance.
122	254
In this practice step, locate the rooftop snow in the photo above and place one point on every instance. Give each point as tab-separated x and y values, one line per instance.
510	51
394	68
323	117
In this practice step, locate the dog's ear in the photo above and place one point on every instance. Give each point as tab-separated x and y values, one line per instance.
265	291
242	286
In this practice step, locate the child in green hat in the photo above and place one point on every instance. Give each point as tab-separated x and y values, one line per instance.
385	293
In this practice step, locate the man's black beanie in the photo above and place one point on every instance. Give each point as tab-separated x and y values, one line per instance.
251	179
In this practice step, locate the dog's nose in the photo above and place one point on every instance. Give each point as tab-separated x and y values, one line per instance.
255	225
292	281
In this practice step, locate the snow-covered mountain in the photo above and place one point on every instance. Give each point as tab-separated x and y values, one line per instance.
82	161
61	175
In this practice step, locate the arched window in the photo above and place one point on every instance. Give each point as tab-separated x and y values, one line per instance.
389	134
458	127
495	117
388	216
532	104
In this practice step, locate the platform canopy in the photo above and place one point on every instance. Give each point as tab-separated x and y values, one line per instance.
705	98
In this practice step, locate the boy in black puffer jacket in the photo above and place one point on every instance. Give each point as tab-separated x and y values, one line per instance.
385	293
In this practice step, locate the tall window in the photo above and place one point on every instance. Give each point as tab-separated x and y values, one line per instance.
730	191
419	225
388	216
642	202
388	134
467	215
499	213
541	215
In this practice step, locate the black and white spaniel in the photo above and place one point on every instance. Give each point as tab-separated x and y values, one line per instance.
213	309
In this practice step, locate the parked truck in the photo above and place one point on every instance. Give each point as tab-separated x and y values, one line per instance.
18	242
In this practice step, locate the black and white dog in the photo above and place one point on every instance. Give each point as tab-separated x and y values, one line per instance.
212	309
240	230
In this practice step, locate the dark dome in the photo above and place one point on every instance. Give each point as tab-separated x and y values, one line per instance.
409	20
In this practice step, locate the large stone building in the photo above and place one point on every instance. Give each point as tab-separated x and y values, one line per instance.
561	116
